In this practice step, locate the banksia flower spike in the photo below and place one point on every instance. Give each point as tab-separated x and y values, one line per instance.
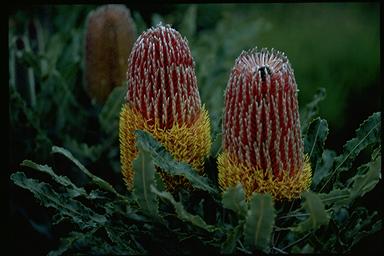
163	99
263	149
110	34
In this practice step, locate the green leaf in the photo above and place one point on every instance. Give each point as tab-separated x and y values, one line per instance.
337	198
229	245
317	214
259	222
366	135
367	178
234	199
96	180
216	134
63	180
360	224
163	159
66	207
144	178
365	182
92	244
307	249
323	166
311	109
315	139
109	115
182	214
83	150
375	227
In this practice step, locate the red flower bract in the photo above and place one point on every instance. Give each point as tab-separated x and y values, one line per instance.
263	148
162	83
163	99
261	122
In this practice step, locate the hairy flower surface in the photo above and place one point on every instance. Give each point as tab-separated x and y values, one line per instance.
163	99
263	148
110	34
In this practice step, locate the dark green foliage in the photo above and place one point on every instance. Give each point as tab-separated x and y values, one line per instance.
165	161
144	178
79	180
316	211
259	222
234	199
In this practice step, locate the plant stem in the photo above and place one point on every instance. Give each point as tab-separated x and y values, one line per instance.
279	250
31	76
297	241
31	83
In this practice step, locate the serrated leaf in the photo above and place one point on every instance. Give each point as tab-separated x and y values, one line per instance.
63	180
163	159
323	167
83	150
377	226
234	199
337	197
96	180
360	224
143	179
229	245
317	214
365	182
91	243
315	139
259	222
216	134
118	234
182	214
109	115
311	109
307	249
67	207
367	134
360	184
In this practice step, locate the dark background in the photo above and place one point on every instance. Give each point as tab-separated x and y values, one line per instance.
330	45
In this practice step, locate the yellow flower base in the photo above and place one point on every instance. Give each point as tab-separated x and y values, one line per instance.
190	144
285	187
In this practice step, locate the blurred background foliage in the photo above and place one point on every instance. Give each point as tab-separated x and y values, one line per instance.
330	45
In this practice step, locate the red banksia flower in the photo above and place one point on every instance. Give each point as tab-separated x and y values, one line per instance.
263	148
110	34
163	99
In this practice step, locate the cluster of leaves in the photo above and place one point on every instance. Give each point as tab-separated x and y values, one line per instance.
109	222
83	187
47	101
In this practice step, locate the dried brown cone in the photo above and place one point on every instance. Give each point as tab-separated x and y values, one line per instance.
110	35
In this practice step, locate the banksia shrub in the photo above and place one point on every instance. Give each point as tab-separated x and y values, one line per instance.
110	34
163	99
263	149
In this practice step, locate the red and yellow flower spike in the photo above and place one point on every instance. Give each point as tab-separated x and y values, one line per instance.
163	99
263	149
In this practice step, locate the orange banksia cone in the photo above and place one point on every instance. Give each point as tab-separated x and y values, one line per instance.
263	149
163	99
110	34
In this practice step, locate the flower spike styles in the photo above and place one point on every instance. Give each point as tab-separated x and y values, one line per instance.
163	99
263	148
